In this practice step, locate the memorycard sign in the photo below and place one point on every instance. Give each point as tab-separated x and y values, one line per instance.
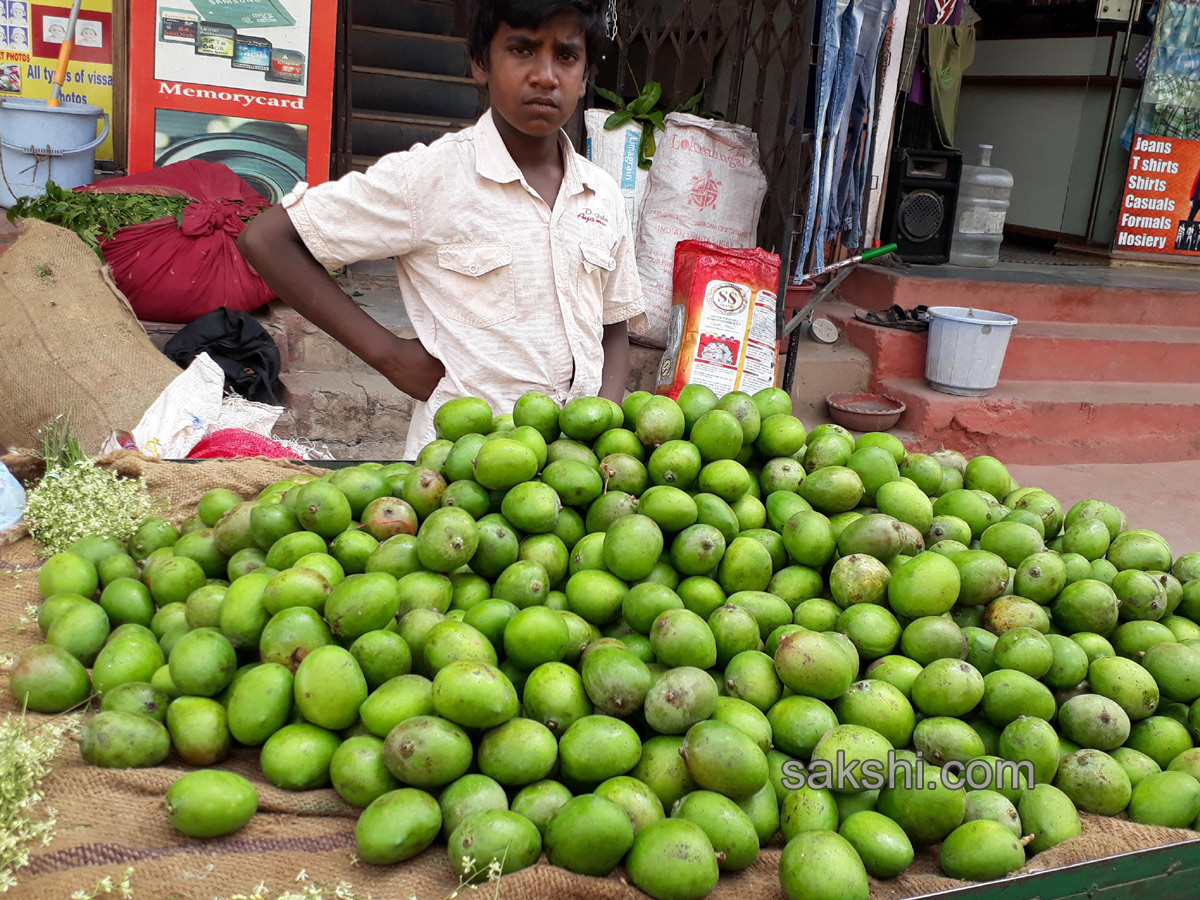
248	83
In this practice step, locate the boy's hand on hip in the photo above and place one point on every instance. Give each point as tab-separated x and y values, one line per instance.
413	369
273	247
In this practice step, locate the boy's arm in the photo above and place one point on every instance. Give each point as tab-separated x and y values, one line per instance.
361	216
616	362
274	248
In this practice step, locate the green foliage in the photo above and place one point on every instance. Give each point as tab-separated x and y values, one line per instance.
638	110
60	447
641	110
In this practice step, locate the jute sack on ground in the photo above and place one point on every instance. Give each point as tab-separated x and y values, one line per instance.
71	342
112	820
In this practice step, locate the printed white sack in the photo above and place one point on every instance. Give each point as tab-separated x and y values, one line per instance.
616	152
706	184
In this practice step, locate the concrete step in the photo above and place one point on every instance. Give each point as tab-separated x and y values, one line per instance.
821	370
428	16
358	415
382	270
1054	422
1096	295
438	54
311	349
376	132
411	92
1046	350
644	363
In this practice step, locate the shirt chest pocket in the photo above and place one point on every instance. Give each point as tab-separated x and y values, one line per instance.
477	283
596	262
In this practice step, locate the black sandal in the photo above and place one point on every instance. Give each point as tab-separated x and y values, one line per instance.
895	316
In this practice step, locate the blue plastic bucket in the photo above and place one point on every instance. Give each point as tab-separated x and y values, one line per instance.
40	143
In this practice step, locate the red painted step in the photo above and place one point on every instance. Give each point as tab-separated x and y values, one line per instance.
1046	351
1054	423
1101	295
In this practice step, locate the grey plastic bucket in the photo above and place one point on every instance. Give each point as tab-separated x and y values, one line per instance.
966	349
40	143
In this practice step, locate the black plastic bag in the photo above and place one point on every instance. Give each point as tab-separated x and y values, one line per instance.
239	345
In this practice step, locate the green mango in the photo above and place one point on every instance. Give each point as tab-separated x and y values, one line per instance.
329	687
260	703
122	740
397	826
210	803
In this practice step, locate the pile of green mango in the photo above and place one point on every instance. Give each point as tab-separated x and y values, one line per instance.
639	635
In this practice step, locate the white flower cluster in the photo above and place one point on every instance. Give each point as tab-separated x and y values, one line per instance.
25	756
106	885
81	500
309	891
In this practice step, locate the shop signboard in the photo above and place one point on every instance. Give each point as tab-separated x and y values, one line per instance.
247	83
1160	209
31	35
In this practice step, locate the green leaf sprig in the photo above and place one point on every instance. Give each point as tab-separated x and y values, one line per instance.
641	110
96	216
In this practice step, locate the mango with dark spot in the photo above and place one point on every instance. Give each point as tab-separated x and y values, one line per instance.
122	740
494	835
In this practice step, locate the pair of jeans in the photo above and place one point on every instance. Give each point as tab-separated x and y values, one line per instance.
829	33
847	217
851	17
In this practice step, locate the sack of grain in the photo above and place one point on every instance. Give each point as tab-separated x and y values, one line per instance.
722	332
616	152
706	184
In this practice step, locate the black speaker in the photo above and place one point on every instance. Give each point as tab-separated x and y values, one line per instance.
918	210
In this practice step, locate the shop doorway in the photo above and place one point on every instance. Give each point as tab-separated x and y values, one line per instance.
1051	87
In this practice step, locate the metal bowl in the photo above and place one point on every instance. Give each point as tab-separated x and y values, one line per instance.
864	411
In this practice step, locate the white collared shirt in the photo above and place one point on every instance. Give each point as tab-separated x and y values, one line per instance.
510	295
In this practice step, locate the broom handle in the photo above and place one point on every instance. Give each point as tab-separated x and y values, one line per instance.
854	260
64	56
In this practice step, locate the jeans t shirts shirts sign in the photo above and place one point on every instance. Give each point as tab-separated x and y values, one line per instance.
706	184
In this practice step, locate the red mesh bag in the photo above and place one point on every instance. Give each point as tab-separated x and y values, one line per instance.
229	443
179	272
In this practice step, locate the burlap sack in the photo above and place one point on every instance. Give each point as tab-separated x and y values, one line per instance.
71	343
110	820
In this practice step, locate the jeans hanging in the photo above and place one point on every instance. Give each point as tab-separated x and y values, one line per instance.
846	218
838	116
829	31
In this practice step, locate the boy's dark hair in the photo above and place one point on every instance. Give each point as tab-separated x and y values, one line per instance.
486	16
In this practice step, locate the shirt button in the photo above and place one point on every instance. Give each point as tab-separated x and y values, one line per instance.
474	269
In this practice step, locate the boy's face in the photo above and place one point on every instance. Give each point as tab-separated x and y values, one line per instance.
536	76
